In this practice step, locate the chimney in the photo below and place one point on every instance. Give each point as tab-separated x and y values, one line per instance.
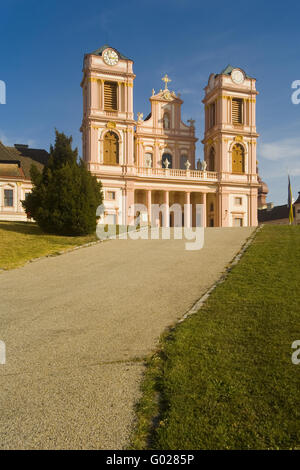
21	146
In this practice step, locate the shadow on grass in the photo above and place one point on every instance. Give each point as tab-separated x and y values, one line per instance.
27	228
31	228
153	405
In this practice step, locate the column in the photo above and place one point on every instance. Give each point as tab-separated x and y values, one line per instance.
166	221
129	205
219	209
101	94
204	209
149	203
187	210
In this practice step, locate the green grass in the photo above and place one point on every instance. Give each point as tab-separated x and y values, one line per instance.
23	241
223	378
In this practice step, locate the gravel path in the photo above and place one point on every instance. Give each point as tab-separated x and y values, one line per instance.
77	327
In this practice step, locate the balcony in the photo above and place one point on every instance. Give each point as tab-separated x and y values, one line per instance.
173	174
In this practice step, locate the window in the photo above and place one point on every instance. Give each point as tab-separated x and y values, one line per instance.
212	115
212	207
111	149
237	111
111	219
111	195
26	194
8	197
238	159
211	160
110	96
211	223
238	201
166	156
166	121
238	222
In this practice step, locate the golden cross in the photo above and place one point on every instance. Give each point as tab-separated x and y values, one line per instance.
166	79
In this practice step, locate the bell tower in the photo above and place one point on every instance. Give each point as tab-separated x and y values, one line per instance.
230	143
107	125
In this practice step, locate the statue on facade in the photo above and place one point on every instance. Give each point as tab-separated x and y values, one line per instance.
187	165
203	165
148	160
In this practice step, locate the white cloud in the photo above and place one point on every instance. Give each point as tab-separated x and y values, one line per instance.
4	139
283	149
9	142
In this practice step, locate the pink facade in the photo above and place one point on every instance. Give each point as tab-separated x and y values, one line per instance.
151	160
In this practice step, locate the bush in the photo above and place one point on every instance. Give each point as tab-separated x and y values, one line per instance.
65	195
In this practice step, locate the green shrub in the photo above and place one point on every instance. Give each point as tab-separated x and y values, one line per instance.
65	195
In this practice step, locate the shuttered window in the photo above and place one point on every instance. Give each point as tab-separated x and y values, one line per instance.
110	96
237	111
111	149
238	159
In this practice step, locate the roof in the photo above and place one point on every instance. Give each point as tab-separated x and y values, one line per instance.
278	212
24	156
229	69
11	169
102	48
298	200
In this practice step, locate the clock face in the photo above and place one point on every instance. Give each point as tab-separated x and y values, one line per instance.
110	57
237	76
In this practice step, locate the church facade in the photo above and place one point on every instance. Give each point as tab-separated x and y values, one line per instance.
151	160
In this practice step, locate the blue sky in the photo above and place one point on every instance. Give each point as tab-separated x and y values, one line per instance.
43	43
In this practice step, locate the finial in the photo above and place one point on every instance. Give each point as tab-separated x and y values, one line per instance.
166	163
166	79
153	92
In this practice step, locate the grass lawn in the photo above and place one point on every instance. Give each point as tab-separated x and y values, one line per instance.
22	241
223	378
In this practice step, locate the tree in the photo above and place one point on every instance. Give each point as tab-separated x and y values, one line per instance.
65	195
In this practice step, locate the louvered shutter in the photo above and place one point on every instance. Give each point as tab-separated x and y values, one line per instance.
237	111
110	95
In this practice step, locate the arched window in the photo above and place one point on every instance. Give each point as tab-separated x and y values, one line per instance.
238	159
166	156
111	149
211	159
166	121
183	160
